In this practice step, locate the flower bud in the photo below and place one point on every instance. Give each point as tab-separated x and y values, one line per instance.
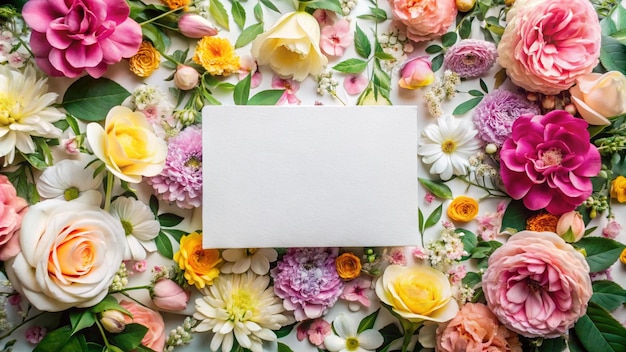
416	73
186	77
113	321
192	25
572	225
167	295
491	148
465	5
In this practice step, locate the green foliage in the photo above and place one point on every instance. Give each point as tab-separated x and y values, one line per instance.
239	14
248	35
283	348
266	97
469	241
598	331
432	219
439	189
351	66
608	294
601	252
467	105
361	43
368	322
219	14
613	54
330	5
515	215
81	319
241	94
90	99
130	338
164	245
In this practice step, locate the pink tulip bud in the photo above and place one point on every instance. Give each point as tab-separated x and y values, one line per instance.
186	77
192	25
571	221
167	295
416	73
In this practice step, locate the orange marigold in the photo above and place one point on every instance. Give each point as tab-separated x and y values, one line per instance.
175	4
199	264
217	56
463	209
146	60
542	222
348	266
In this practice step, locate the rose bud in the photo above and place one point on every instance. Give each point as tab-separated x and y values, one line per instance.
416	73
167	295
192	25
186	77
465	5
573	221
113	321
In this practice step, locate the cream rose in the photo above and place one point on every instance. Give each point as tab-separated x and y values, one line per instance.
127	145
417	293
291	47
600	96
70	254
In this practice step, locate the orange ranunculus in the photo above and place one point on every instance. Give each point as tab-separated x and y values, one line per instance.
348	266
463	209
146	61
199	264
618	189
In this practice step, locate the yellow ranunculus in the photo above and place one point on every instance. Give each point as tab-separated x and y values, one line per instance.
146	61
348	266
127	145
199	264
463	209
417	293
291	47
618	189
599	97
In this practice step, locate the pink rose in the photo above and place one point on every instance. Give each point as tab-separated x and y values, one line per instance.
12	210
599	97
572	220
70	37
155	337
548	162
423	19
537	284
546	45
167	295
476	329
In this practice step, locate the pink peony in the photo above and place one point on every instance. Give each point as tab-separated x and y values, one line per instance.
155	337
548	162
12	210
537	284
546	45
476	329
70	37
423	19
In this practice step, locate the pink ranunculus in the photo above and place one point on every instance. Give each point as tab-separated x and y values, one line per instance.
546	45
70	37
423	19
537	284
12	210
548	162
167	295
476	329
155	337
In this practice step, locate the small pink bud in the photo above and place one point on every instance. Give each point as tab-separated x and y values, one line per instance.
571	221
416	73
167	295
192	25
186	77
113	321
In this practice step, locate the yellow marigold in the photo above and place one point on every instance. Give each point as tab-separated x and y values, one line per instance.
622	257
348	266
199	265
175	4
146	60
542	222
618	189
463	209
217	56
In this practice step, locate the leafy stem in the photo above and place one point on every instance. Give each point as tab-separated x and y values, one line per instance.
160	16
109	191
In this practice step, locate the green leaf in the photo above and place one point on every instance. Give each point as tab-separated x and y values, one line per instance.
108	303
169	219
239	14
469	241
160	41
437	62
613	54
285	330
217	10
270	5
515	215
483	86
472	279
55	340
476	93
164	245
130	338
368	322
258	12
608	294
90	99
176	234
266	97
465	29
434	217
351	66
331	5
552	345
433	49
420	219
71	121
248	35
377	15
241	94
362	43
283	348
601	252
598	331
439	189
620	36
81	319
467	106
448	39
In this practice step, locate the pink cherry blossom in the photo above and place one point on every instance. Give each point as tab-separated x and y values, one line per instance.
354	84
611	229
290	86
318	330
336	38
357	290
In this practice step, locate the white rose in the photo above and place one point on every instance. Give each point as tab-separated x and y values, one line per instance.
70	253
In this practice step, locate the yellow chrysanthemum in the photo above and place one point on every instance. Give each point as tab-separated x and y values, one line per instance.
217	56
199	264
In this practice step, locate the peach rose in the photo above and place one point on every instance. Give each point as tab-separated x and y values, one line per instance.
573	221
463	209
424	19
12	210
547	45
598	97
155	337
348	266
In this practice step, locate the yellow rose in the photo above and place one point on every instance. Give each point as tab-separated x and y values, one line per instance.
417	293
146	60
127	145
348	266
291	47
598	97
198	264
463	209
622	257
618	189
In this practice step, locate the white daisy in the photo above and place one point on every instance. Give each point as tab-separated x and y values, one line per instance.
139	224
240	307
68	179
25	111
239	260
349	340
448	145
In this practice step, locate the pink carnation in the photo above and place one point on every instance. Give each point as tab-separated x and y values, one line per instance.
537	284
546	45
548	162
423	19
70	37
12	210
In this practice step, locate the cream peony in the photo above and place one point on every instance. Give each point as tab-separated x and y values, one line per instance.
291	47
598	97
74	250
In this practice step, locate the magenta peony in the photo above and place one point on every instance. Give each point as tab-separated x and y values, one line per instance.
548	162
70	37
423	19
537	284
546	45
12	210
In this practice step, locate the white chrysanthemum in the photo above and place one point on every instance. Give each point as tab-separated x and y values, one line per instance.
139	224
349	340
239	260
25	111
240	307
68	179
448	145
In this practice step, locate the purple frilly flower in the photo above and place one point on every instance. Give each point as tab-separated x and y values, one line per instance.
470	57
307	281
181	178
495	114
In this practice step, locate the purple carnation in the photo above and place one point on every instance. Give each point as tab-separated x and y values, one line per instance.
181	178
307	281
470	57
496	113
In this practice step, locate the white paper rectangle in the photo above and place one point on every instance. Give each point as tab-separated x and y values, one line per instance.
309	176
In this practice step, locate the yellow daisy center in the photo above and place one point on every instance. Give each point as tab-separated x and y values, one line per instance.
6	106
352	343
448	146
241	306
